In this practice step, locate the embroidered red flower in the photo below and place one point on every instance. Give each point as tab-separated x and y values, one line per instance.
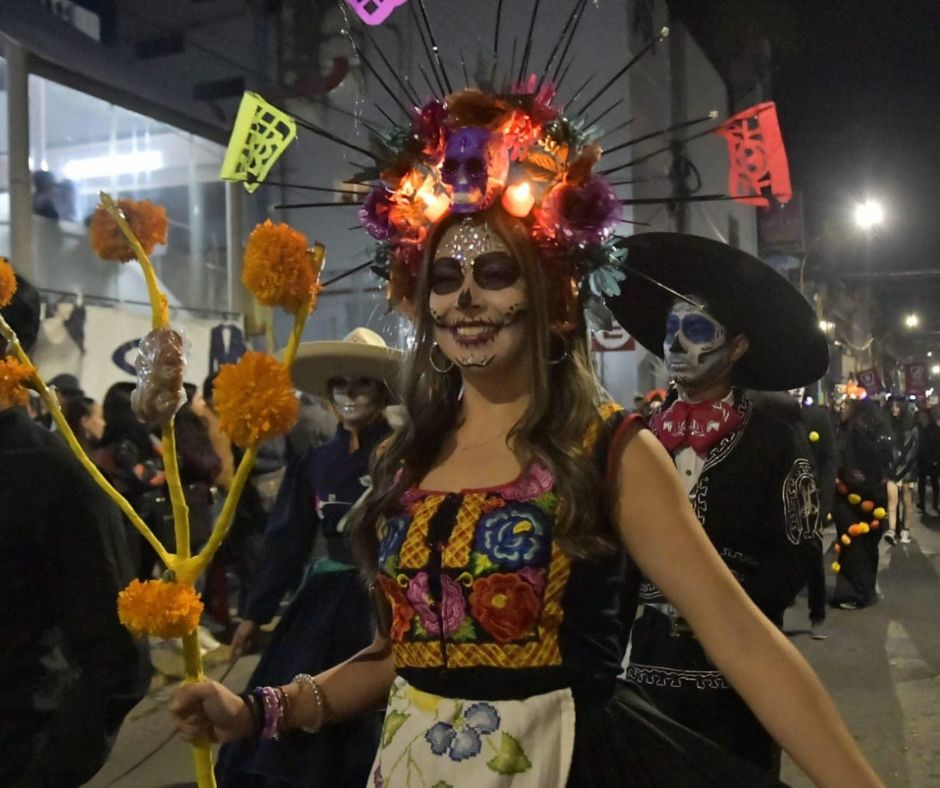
505	605
402	611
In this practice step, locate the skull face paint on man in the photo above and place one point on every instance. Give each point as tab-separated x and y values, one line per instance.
477	296
697	347
356	401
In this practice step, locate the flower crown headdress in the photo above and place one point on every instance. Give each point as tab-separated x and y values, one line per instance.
505	138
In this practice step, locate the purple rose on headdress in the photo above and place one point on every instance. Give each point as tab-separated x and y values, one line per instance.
428	124
374	213
453	606
581	213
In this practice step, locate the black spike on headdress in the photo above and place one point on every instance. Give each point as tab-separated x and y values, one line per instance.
578	92
329	136
561	37
463	68
561	79
385	115
287	206
685	124
499	17
617	128
350	272
599	118
427	49
427	80
327	189
434	47
630	63
574	29
528	42
656	152
683	198
402	81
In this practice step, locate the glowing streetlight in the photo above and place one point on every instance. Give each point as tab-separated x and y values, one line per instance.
935	369
869	214
912	320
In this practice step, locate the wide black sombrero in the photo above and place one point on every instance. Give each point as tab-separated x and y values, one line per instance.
787	348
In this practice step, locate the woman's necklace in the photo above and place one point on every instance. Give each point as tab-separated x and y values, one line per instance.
478	444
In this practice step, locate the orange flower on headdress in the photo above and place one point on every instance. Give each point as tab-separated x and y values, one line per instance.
278	270
255	399
7	282
147	220
12	375
167	610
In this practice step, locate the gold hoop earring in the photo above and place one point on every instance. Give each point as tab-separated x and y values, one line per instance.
435	367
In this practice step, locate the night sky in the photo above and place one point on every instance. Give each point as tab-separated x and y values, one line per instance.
857	86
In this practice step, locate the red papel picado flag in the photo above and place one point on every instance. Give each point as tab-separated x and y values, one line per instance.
758	161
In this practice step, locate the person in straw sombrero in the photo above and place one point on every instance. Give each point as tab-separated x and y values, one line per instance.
329	618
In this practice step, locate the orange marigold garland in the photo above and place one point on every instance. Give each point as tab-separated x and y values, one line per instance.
7	282
146	219
255	399
164	609
278	269
12	375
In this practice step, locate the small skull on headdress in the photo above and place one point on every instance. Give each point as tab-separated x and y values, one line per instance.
475	167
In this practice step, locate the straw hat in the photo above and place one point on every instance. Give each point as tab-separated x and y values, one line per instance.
360	354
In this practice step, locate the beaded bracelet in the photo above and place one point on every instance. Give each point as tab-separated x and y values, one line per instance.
255	710
323	707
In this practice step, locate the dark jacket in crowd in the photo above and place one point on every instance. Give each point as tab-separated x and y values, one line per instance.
904	446
822	445
69	671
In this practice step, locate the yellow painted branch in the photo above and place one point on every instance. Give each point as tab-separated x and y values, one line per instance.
52	402
175	485
158	302
202	753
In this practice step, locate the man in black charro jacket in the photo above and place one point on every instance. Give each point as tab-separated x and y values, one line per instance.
744	463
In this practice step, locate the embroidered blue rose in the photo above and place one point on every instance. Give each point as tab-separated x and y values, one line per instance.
391	537
464	741
514	536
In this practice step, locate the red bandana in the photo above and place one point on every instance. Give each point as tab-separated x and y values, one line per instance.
697	424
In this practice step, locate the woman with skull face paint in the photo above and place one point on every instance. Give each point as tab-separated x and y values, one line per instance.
509	521
330	616
498	531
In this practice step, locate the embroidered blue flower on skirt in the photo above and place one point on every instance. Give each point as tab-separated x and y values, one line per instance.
463	742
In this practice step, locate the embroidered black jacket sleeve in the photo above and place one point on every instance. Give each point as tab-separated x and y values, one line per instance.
288	539
792	510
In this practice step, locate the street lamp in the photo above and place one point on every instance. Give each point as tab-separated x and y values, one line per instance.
935	369
912	320
869	215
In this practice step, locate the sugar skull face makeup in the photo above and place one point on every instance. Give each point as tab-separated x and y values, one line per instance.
355	401
477	296
475	167
696	346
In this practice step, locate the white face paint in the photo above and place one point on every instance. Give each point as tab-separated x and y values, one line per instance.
478	297
356	401
697	351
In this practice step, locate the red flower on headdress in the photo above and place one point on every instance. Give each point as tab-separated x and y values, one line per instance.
374	213
429	125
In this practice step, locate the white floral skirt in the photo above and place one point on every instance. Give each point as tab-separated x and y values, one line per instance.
429	741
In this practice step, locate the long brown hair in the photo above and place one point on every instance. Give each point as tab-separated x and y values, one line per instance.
564	408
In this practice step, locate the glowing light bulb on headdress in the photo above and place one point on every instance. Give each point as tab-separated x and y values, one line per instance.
518	199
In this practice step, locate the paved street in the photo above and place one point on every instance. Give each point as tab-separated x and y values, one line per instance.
882	665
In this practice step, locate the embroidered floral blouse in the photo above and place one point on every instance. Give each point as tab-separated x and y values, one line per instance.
484	601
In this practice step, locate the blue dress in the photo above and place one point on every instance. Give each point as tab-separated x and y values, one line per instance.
328	620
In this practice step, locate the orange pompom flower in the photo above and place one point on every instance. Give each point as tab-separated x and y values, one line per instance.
7	282
12	375
167	610
278	269
255	399
868	506
147	220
